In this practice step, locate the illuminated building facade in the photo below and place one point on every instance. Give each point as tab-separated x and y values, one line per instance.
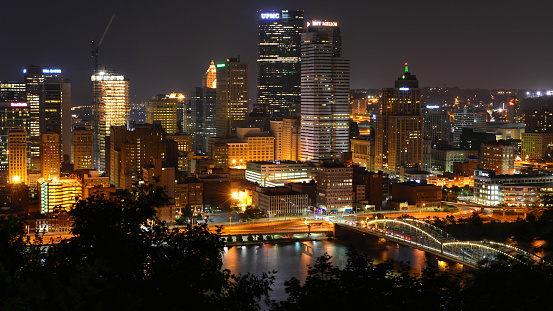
362	151
82	148
277	173
325	81
538	121
287	139
59	193
398	139
163	110
210	78
534	145
334	187
498	157
280	201
250	145
490	189
203	117
50	155
278	63
49	100
110	107
17	155
14	113
232	97
130	151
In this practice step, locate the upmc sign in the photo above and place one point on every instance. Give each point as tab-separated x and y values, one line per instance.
270	15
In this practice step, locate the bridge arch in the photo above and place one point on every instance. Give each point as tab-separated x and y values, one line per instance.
469	252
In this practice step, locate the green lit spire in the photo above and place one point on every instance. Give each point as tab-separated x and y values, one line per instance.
406	68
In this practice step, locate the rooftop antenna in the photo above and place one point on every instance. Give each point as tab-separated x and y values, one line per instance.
406	68
96	47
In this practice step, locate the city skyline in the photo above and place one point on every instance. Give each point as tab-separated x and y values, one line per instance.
469	45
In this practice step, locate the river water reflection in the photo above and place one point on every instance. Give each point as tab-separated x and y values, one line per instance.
291	259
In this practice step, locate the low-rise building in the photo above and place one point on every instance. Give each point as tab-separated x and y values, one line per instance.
278	173
280	201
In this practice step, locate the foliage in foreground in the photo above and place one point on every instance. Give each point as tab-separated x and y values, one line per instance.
123	258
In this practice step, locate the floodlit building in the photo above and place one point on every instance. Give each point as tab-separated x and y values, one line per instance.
280	201
287	139
50	155
110	107
498	157
362	151
17	156
162	109
210	78
399	129
59	193
278	173
325	84
278	63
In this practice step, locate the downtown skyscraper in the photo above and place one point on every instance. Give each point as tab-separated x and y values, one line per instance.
325	83
232	96
278	63
49	102
110	107
398	139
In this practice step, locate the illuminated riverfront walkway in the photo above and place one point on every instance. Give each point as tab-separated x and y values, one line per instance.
424	236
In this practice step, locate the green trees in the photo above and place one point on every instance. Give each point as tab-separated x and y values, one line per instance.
122	257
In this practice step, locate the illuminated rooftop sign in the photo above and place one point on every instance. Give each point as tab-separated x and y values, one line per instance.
18	104
404	89
220	65
432	107
322	23
48	70
270	15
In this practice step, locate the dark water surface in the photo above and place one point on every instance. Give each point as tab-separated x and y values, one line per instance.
291	259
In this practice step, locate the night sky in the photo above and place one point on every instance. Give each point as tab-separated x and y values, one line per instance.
165	46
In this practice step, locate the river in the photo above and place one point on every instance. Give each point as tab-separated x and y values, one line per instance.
291	259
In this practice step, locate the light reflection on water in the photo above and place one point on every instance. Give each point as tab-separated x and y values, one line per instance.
291	260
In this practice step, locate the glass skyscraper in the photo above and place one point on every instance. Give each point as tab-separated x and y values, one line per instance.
110	108
325	81
278	63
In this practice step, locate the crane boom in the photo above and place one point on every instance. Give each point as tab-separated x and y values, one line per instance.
96	47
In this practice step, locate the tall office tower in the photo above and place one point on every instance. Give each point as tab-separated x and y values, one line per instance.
203	108
110	107
83	141
287	139
398	140
17	158
325	79
278	63
232	96
49	100
437	125
14	113
162	109
50	155
210	78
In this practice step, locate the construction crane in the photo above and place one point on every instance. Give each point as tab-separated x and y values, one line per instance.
96	47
